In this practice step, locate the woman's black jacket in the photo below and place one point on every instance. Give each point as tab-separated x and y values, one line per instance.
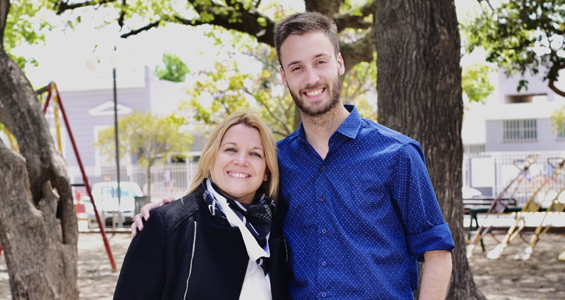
183	254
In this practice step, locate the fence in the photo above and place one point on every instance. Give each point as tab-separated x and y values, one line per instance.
171	179
492	172
489	172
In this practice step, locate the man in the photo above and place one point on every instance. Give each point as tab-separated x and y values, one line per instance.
358	205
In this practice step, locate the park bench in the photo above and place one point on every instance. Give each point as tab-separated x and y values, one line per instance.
481	205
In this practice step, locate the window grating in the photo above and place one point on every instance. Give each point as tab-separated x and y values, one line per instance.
524	130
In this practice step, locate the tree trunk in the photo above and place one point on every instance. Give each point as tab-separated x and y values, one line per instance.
40	266
419	90
40	245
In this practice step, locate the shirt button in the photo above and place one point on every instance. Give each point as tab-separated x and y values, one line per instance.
322	168
323	199
324	294
324	264
324	231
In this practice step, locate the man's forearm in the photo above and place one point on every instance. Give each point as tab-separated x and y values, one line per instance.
437	272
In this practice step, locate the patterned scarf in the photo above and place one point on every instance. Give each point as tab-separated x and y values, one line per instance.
256	217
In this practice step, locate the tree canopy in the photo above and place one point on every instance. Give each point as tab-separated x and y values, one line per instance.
147	137
521	36
23	26
256	18
173	69
476	83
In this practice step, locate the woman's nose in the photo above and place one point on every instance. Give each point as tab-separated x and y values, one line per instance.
241	160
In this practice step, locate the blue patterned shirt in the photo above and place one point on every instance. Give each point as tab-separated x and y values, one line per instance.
358	221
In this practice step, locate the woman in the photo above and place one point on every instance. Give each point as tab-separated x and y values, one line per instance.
217	242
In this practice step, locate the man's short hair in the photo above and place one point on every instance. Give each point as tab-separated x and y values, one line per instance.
302	23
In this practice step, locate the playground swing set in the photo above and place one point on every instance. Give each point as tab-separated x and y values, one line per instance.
532	205
53	94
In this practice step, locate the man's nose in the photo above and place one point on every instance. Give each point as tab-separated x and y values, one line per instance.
312	77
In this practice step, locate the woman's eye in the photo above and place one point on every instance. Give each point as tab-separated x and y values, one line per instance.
256	154
231	150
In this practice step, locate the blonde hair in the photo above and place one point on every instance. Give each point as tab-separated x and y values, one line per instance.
269	187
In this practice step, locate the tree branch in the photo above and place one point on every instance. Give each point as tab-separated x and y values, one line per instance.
269	111
62	6
142	29
358	51
325	7
352	19
246	21
122	14
555	70
552	86
4	9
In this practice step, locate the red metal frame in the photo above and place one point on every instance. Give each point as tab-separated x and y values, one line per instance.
52	86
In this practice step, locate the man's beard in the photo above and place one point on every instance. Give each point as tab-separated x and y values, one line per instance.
334	100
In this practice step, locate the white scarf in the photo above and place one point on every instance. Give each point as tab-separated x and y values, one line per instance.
256	285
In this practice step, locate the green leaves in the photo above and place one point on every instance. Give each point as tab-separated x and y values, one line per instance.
476	83
359	85
24	26
174	68
558	120
146	136
521	35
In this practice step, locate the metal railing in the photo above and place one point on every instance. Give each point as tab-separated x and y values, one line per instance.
491	172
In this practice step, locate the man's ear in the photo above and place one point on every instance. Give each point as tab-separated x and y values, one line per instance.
283	77
340	64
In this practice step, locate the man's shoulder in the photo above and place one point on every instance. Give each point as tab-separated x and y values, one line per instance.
393	136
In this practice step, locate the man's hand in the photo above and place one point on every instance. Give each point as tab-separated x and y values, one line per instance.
144	213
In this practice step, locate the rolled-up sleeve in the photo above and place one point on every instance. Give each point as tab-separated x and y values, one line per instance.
414	194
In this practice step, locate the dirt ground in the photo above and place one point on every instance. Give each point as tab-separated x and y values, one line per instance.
541	277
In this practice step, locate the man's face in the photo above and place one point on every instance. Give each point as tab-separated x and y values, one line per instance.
310	70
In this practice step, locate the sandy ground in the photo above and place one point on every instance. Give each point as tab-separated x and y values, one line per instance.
541	277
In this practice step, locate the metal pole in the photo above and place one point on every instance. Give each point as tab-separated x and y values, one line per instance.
51	87
117	151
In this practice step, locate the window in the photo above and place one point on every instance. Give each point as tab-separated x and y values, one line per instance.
474	148
533	98
524	130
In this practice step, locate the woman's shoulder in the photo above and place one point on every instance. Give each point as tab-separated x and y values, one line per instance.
179	210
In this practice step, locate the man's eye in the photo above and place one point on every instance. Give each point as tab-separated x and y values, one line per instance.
295	69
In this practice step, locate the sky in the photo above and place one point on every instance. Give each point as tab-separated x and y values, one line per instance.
63	57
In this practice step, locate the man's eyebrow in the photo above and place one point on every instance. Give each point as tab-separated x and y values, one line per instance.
292	63
315	56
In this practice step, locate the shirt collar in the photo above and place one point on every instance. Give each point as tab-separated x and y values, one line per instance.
349	127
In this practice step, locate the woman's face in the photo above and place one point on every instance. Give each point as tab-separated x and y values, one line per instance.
239	168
